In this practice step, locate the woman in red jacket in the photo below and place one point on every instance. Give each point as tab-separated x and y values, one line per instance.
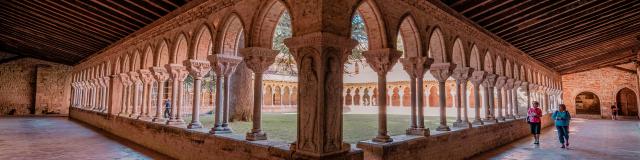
533	117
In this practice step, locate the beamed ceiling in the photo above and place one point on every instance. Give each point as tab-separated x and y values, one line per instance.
67	31
569	35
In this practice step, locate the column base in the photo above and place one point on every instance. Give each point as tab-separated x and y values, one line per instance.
144	117
134	115
175	122
382	139
194	125
501	119
443	128
418	131
477	122
218	130
157	119
462	124
256	136
490	120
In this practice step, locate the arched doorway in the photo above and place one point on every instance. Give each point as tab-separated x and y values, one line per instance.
587	103
626	102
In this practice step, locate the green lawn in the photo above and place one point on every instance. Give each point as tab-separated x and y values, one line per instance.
357	127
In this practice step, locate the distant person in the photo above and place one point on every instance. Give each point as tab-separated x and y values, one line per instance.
562	119
614	112
533	118
167	108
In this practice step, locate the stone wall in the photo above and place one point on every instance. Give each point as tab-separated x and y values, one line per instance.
459	144
605	83
31	86
181	143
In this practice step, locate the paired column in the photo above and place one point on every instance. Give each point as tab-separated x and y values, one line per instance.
514	94
500	82
488	84
461	75
198	70
222	65
476	79
124	105
416	67
381	61
509	98
135	82
147	81
441	72
320	57
161	76
178	73
258	60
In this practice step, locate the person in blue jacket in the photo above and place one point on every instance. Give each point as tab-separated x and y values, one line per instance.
562	119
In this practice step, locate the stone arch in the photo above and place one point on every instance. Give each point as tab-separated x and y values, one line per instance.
374	24
180	49
232	35
471	100
587	102
134	61
628	105
410	37
406	96
124	64
356	97
499	67
286	96
516	72
523	73
147	61
458	57
162	54
433	96
294	96
115	65
488	63
507	69
437	46
266	22
366	98
348	98
475	61
395	97
202	43
277	96
448	98
268	96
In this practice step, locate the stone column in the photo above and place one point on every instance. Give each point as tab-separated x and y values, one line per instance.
178	73
416	67
221	65
135	81
92	96
161	76
124	106
198	70
320	57
509	103
500	82
258	60
381	61
229	70
147	80
489	83
115	89
477	77
461	74
442	71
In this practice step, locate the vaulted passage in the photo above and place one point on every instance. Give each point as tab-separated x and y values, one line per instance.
319	79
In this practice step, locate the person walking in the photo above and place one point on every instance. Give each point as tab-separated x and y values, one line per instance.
533	118
562	119
614	112
167	108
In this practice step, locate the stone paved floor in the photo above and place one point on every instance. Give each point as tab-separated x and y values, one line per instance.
61	138
590	139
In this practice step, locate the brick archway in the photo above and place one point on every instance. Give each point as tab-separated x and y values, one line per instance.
626	100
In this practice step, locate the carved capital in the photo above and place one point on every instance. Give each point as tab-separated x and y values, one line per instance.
382	60
524	84
416	66
441	71
490	80
124	78
258	59
509	84
146	76
477	77
198	68
177	72
500	81
462	73
320	44
224	64
160	74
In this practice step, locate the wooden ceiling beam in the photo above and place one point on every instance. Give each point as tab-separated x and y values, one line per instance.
532	19
595	43
512	12
132	11
500	4
465	10
33	45
144	8
171	3
624	69
54	36
113	19
119	12
96	9
526	16
93	17
157	6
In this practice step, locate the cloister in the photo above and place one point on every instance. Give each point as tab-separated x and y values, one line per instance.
213	64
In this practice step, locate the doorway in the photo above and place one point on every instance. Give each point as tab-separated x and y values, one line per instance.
587	103
626	102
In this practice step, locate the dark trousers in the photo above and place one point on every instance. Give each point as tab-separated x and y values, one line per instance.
563	133
167	112
535	128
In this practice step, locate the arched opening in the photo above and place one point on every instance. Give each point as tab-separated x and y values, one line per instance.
268	96
433	97
356	97
406	97
627	102
449	88
348	99
277	96
587	103
395	97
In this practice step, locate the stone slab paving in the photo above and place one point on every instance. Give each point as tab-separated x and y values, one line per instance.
590	139
61	138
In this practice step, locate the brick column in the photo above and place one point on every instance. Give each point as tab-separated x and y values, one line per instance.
161	76
222	64
461	75
320	57
477	77
500	82
147	81
381	61
178	73
416	67
258	60
198	70
442	71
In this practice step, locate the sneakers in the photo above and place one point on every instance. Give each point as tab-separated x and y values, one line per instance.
562	146
567	143
536	142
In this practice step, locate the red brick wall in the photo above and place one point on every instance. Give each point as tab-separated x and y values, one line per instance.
30	85
605	83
